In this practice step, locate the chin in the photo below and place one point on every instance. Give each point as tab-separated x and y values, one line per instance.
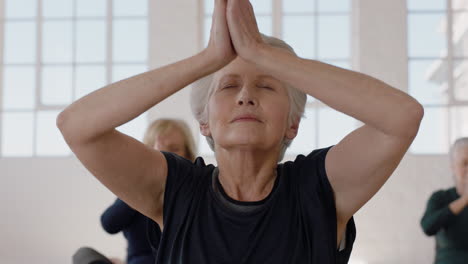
246	141
245	136
242	140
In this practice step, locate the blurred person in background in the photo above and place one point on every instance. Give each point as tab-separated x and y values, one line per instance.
446	214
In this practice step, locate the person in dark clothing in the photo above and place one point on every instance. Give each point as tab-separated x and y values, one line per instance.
446	214
248	97
165	135
235	227
120	217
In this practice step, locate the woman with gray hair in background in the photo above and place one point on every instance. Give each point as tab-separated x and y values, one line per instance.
249	209
446	214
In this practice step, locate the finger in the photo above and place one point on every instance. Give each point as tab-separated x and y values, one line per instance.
250	8
252	14
219	8
219	13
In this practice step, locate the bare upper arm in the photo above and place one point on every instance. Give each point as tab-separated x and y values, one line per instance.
131	170
359	165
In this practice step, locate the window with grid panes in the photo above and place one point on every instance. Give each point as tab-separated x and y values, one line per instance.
56	51
316	29
437	71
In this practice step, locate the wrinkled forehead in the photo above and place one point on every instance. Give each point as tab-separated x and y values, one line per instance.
241	69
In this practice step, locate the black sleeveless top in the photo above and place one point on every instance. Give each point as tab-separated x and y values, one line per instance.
296	223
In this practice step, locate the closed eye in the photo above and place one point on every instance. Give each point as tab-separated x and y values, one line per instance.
266	87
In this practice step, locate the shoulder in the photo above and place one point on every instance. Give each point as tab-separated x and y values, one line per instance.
314	162
184	175
186	180
176	161
310	165
181	171
308	175
178	166
317	155
118	205
442	195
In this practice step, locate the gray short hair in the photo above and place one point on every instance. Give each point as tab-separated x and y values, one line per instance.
202	90
457	145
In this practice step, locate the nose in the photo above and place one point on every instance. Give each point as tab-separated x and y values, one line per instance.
246	101
247	97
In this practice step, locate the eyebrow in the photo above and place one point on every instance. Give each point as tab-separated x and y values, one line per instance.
237	76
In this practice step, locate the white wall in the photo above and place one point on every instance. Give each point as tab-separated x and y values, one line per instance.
51	206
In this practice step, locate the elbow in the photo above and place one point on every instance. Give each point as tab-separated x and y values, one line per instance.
427	228
429	232
63	124
413	115
417	112
60	121
108	226
110	229
73	131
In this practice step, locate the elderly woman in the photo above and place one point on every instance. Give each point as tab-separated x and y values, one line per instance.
249	209
446	214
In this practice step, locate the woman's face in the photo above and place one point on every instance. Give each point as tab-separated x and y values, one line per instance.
172	140
248	107
460	169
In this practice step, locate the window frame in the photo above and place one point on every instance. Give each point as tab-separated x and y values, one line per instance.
109	64
452	103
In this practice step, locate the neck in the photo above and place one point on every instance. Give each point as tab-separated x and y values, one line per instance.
247	175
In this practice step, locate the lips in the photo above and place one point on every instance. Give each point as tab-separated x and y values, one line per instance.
246	118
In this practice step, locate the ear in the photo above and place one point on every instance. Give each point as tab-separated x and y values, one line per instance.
292	130
205	130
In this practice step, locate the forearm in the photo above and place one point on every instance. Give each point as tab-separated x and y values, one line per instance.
434	220
120	102
440	212
358	95
458	205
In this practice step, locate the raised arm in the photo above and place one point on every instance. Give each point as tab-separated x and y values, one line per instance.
134	172
359	165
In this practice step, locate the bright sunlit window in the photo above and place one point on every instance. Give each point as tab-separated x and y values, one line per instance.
56	51
438	67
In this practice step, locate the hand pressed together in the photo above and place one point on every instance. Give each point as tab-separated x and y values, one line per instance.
234	32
